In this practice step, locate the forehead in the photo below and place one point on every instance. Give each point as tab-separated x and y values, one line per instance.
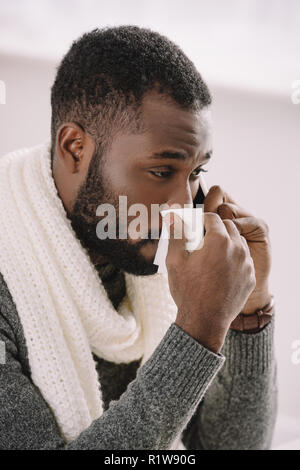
167	124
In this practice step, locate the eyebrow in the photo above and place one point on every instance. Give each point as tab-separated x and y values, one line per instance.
171	155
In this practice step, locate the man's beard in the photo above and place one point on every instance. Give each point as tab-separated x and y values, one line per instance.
120	253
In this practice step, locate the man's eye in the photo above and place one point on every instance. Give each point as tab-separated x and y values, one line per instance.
166	174
198	171
161	174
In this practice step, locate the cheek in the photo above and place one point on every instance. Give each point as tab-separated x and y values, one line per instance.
138	189
143	217
127	182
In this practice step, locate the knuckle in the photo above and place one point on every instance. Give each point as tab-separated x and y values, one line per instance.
249	273
240	251
242	255
213	219
211	215
262	224
265	227
222	239
243	252
216	188
229	222
231	229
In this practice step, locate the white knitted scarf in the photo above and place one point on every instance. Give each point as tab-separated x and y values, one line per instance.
63	307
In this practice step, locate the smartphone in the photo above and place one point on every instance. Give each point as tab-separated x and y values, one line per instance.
200	196
199	199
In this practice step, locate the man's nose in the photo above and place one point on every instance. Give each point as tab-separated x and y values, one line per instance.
181	196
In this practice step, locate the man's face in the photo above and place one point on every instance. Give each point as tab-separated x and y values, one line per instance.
160	166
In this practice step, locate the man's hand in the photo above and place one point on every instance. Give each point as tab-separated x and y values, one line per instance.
210	285
255	232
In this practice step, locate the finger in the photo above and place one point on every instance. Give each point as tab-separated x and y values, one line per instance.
252	228
228	210
232	230
244	242
214	224
177	239
215	197
235	234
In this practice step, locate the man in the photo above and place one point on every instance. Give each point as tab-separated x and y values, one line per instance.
100	351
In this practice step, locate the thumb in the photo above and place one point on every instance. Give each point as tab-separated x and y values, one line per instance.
177	239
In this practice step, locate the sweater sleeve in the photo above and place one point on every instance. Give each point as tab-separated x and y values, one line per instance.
150	414
239	410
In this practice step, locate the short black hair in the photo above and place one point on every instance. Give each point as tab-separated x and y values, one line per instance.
101	81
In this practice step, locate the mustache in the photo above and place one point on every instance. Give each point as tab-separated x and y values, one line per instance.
150	239
151	236
87	231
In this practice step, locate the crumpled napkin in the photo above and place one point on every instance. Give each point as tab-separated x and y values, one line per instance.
193	230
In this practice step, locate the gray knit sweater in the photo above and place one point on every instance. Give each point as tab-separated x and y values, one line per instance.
215	401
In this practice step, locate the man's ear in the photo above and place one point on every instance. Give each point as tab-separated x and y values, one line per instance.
73	153
74	148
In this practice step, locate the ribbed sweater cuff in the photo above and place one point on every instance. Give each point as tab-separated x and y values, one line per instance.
184	365
249	354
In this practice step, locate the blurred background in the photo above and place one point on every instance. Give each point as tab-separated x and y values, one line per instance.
248	53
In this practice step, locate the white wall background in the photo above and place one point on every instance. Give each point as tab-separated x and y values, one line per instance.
249	54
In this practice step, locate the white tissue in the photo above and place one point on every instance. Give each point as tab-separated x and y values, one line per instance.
193	230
